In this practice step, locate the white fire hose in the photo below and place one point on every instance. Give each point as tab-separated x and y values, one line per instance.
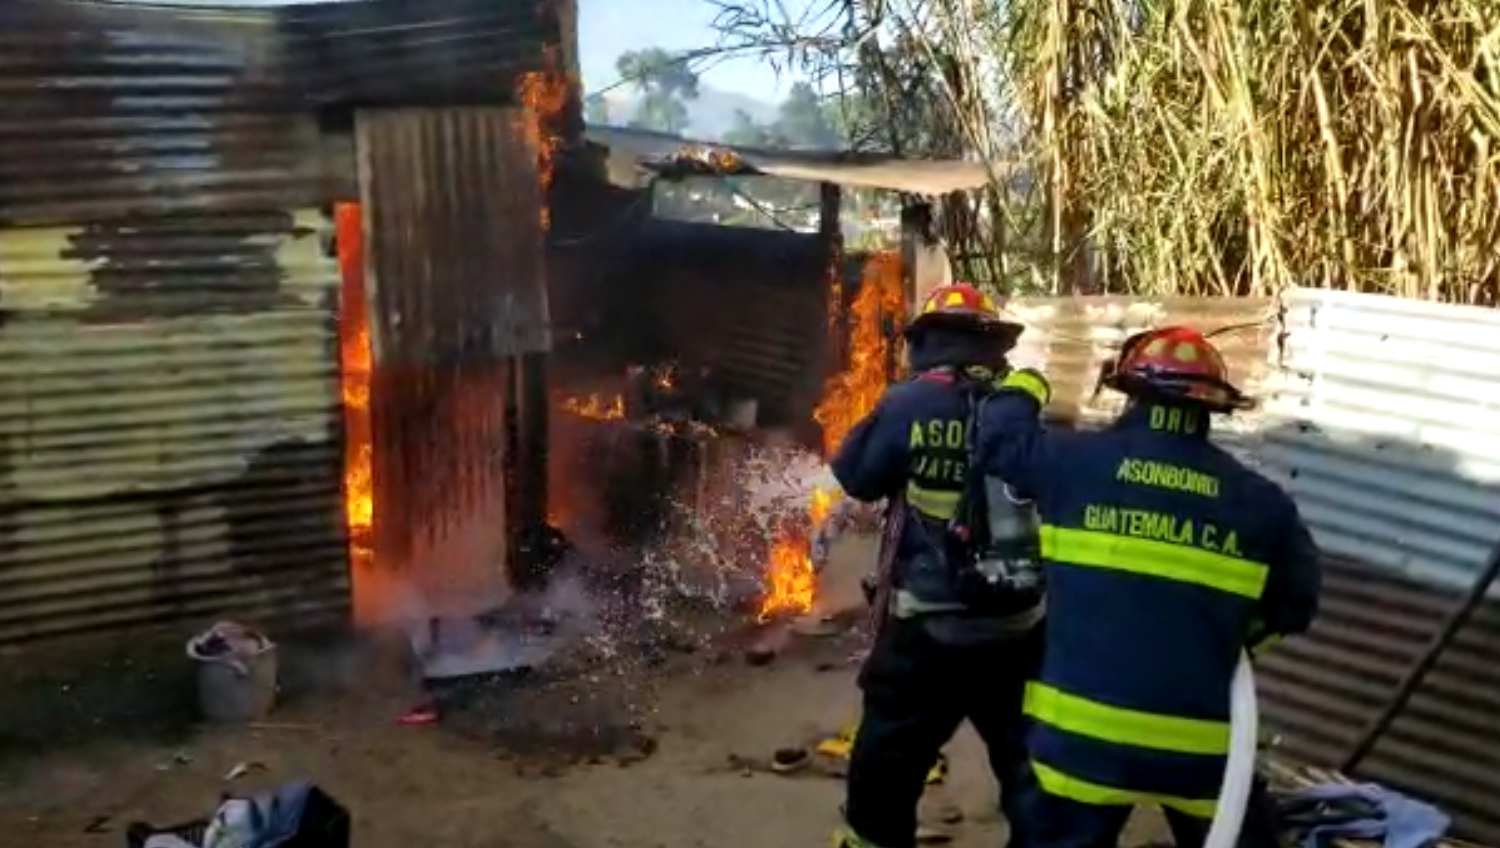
1239	772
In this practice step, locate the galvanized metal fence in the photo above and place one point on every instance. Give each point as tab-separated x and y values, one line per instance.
1382	418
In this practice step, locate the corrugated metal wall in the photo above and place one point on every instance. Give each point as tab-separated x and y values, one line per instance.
1383	420
1320	691
402	53
459	290
167	436
750	304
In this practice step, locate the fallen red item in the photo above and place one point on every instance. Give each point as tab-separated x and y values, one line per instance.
419	716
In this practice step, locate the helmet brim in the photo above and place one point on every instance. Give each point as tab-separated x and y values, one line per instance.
1220	397
1006	332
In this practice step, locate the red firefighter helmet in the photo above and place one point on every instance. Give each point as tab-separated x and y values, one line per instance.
1175	364
962	306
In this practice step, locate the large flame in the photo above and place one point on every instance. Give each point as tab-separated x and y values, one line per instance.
791	580
544	97
852	393
356	366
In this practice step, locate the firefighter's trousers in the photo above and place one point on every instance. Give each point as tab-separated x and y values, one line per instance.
1053	822
917	692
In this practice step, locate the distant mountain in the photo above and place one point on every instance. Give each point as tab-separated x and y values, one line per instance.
709	116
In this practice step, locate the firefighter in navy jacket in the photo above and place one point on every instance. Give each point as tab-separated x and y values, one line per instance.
943	654
1165	558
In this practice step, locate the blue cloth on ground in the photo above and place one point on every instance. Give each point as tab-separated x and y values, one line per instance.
264	821
283	814
1400	822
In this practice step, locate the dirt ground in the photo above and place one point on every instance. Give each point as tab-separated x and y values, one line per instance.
76	769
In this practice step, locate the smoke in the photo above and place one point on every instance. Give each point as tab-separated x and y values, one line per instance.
716	551
701	566
523	633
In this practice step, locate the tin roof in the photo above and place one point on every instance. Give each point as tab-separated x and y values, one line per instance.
672	155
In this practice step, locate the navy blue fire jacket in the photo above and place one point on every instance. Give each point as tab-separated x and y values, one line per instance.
1166	557
917	444
914	443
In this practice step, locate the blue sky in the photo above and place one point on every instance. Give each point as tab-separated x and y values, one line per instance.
607	28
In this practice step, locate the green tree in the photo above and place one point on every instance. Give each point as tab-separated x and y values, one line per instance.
664	82
596	109
803	120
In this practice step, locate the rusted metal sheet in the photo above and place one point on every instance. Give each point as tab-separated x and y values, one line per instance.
454	242
167	452
436	52
112	116
1321	690
454	213
1384	422
769	342
441	440
166	426
168	445
750	305
125	109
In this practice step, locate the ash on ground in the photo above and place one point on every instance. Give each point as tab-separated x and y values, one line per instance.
569	676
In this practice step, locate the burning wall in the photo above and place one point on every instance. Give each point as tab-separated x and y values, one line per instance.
727	324
356	367
744	303
740	503
851	393
426	408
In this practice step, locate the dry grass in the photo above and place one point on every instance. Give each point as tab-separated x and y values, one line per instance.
1225	147
1239	147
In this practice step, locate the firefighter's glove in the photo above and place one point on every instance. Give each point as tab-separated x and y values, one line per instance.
1260	639
820	549
1028	381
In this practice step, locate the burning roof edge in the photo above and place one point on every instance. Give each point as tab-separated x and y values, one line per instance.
676	156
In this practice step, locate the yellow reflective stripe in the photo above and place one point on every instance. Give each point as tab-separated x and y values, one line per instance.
1029	383
931	502
1096	720
1077	789
1155	559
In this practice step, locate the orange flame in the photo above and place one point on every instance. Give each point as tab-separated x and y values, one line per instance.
853	393
597	407
356	365
848	396
822	505
791	581
544	97
665	377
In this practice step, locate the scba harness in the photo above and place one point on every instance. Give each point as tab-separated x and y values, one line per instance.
991	546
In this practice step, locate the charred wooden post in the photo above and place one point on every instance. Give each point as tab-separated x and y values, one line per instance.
535	547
